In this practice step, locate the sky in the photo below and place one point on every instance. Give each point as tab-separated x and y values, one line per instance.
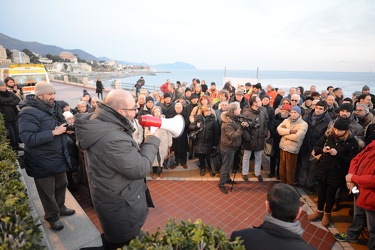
303	35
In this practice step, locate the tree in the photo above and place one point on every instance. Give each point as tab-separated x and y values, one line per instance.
31	55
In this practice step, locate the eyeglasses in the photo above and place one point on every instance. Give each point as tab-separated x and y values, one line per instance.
294	100
133	109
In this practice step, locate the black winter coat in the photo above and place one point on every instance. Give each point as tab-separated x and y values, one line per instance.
333	169
208	137
253	139
269	236
314	132
180	144
8	105
45	155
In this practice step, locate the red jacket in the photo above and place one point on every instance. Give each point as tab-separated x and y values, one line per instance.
363	169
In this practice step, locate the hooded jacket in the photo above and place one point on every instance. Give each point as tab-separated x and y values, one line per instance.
116	170
363	169
45	155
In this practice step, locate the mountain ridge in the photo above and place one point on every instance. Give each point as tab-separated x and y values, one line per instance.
13	43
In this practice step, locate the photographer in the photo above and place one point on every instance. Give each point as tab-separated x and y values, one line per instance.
253	140
232	130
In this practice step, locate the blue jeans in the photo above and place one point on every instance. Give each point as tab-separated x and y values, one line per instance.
257	162
227	157
360	218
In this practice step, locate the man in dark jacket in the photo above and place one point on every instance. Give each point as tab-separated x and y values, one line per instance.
116	167
8	107
280	229
317	122
43	130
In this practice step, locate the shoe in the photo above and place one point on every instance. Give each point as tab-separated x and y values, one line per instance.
260	178
190	157
271	175
202	172
154	176
57	225
19	148
351	212
317	215
311	190
278	177
245	178
67	211
230	181
173	166
185	166
336	206
326	219
344	238
161	176
223	190
212	174
298	185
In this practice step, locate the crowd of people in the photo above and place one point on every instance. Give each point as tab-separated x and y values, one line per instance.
318	141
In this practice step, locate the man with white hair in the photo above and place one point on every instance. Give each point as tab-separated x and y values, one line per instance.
365	117
295	101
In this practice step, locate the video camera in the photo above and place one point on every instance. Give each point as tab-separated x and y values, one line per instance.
253	124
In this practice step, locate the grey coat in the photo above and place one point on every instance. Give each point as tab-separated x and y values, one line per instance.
116	170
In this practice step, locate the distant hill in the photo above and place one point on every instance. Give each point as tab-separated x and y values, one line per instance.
174	66
12	43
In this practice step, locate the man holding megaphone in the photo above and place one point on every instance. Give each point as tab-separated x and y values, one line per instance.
116	167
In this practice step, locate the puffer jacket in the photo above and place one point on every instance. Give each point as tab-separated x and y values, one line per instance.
292	142
332	169
363	169
209	135
253	139
231	133
116	169
45	155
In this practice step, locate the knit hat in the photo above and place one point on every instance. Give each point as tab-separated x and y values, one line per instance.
194	96
63	104
187	89
85	92
297	109
265	96
248	84
44	88
286	107
342	124
347	106
167	95
149	98
2	83
365	88
67	114
239	92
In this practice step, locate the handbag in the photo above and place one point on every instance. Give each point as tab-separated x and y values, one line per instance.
215	160
268	147
193	134
314	158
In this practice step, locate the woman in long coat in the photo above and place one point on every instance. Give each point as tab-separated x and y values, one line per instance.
207	138
99	87
180	145
337	148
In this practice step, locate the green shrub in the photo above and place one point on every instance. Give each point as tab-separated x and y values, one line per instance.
186	236
18	229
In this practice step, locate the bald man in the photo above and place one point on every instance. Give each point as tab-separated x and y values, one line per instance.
116	167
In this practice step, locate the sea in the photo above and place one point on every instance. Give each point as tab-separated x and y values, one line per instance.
348	81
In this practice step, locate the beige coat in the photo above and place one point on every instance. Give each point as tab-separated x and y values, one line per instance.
292	142
165	144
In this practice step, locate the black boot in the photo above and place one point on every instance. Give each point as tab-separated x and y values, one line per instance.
202	172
